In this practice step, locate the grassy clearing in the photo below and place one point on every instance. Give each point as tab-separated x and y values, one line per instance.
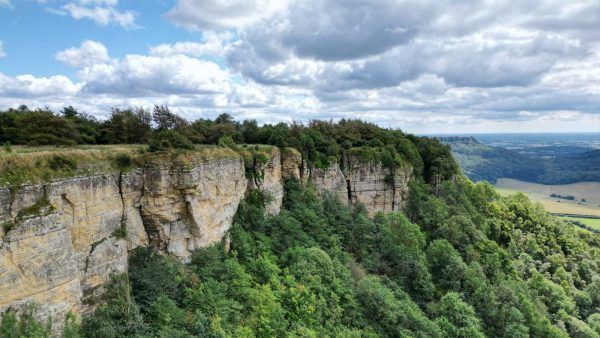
593	223
45	164
541	193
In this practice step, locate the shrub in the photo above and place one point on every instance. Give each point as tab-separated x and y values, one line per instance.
59	162
169	139
124	161
121	232
7	147
227	141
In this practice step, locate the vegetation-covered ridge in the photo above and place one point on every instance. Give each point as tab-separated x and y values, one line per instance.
320	142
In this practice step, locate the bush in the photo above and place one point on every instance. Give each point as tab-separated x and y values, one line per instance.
227	142
59	162
124	161
169	139
7	147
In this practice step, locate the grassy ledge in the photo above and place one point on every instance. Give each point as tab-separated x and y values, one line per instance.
27	165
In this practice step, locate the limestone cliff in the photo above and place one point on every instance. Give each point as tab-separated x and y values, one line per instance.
370	183
60	241
377	187
267	177
330	179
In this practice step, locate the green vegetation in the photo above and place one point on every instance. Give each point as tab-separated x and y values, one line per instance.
23	325
121	232
320	142
481	162
459	261
463	263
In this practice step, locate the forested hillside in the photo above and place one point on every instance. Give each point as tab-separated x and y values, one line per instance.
464	263
560	166
459	261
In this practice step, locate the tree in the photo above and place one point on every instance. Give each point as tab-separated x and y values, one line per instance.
457	318
166	120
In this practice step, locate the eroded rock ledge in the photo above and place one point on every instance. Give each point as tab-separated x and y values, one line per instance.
61	241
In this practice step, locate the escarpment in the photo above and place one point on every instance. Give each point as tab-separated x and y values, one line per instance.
62	240
377	187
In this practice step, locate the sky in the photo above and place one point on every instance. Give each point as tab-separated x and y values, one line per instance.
425	66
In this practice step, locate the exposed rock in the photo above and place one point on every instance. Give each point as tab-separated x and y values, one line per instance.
293	166
268	179
332	179
61	241
186	209
376	187
38	265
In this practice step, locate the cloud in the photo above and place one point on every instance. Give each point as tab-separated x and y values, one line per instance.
217	14
103	12
141	75
5	3
424	65
213	45
89	53
2	52
29	86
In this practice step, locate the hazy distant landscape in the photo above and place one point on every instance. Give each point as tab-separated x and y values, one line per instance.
560	171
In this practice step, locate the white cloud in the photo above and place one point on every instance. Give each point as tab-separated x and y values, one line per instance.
103	12
29	86
424	65
88	54
218	14
141	75
213	45
5	3
2	52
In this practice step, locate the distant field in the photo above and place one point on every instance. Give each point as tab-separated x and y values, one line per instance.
593	223
590	191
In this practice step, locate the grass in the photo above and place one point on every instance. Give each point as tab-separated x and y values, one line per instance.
593	223
45	164
541	193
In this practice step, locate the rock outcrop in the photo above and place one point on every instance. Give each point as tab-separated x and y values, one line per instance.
61	241
267	177
370	183
184	209
293	166
330	179
376	187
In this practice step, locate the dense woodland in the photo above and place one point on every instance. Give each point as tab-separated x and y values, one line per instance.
459	261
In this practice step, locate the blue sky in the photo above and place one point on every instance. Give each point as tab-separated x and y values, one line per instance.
426	66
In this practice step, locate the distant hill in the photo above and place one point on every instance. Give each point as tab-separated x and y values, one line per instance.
555	165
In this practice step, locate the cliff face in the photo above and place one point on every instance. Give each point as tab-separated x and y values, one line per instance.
61	241
184	209
378	188
371	184
267	178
